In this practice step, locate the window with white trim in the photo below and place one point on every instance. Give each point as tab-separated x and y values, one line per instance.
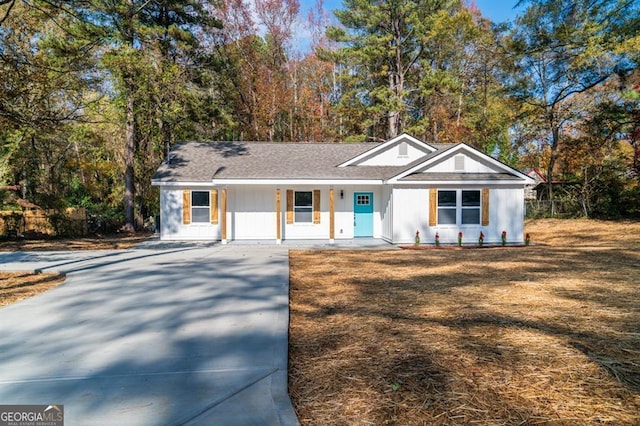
200	206
459	207
470	213
303	207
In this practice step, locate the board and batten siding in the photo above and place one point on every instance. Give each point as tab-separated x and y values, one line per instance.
469	165
395	156
319	227
398	213
175	216
414	209
386	213
410	214
251	212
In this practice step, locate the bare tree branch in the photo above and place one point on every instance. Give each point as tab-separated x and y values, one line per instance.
11	3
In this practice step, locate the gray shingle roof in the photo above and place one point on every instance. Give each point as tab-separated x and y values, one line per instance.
207	161
202	162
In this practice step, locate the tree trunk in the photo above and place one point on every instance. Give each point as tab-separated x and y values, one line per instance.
555	135
130	123
396	87
129	155
396	80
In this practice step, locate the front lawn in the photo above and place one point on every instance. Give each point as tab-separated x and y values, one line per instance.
15	286
546	334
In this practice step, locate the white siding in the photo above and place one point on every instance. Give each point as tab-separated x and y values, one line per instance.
398	213
410	214
392	157
471	165
506	214
386	211
343	214
251	212
307	231
171	226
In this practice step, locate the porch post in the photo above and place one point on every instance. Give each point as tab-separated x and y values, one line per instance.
332	217
223	214
278	218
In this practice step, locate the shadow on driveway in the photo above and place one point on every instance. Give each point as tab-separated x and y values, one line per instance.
181	336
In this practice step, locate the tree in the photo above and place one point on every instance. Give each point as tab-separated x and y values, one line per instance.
564	48
143	44
382	45
255	73
428	67
43	92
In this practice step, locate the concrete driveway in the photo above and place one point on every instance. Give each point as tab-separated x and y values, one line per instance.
167	335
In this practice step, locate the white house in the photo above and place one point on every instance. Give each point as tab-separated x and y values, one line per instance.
276	191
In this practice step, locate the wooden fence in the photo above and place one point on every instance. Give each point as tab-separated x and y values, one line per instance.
71	222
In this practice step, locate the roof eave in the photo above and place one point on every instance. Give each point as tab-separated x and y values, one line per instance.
273	181
459	182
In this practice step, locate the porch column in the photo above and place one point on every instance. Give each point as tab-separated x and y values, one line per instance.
223	214
278	218
332	217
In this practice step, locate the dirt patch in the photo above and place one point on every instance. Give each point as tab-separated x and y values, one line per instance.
539	335
20	285
110	242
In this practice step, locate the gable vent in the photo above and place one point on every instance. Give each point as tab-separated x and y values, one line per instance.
403	149
459	163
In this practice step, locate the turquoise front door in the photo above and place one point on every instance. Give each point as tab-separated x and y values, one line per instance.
363	214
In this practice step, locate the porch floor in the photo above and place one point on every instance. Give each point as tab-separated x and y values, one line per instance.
351	244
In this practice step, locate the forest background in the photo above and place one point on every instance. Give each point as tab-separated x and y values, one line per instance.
93	93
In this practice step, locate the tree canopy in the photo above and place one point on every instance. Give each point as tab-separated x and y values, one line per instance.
93	94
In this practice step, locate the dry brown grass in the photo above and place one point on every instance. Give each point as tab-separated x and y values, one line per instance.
110	242
546	334
18	286
15	286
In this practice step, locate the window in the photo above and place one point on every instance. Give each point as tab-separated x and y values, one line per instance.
459	207
303	207
200	206
470	207
447	207
363	199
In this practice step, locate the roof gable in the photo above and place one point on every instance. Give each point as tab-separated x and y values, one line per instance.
399	151
459	160
536	175
202	163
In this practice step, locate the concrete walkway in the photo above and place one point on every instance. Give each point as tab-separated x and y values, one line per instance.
163	335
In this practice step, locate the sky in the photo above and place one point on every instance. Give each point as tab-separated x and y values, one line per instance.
496	10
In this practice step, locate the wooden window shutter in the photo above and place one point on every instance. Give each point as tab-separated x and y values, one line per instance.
289	206
186	207
332	215
316	206
433	207
214	206
485	206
